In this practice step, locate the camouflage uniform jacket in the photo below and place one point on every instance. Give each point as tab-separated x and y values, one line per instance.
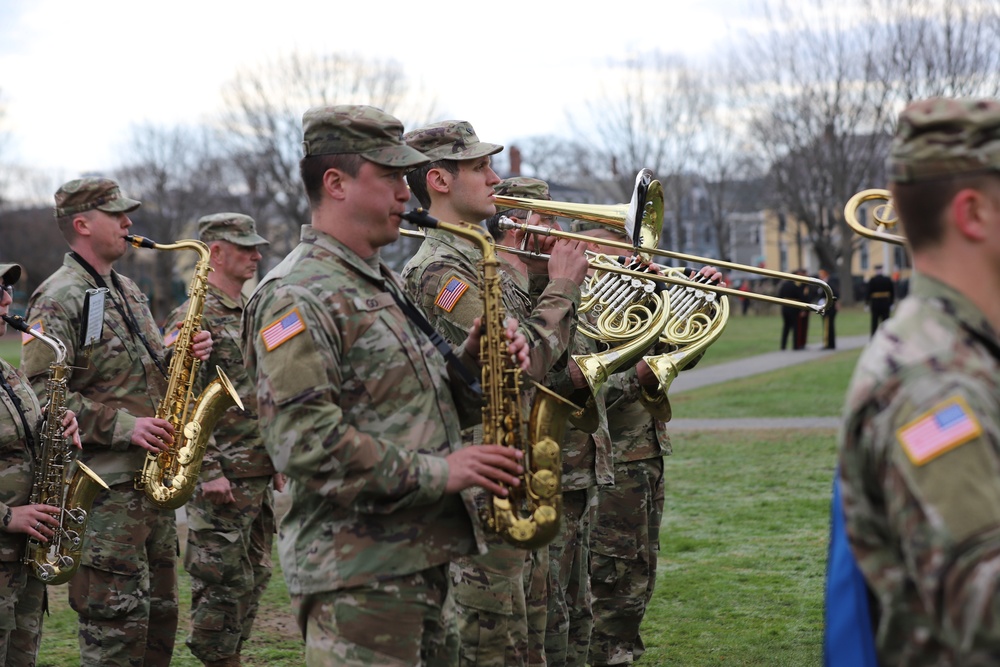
357	409
116	385
16	460
637	426
236	449
919	461
442	256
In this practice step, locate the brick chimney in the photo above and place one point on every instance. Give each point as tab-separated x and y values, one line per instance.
515	161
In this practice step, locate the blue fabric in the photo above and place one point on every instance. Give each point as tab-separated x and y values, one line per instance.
847	640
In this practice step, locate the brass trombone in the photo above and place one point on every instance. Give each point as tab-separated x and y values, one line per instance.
614	216
883	215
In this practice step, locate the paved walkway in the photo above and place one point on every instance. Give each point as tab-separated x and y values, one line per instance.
702	377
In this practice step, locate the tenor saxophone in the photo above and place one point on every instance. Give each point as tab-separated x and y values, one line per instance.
56	561
529	516
169	478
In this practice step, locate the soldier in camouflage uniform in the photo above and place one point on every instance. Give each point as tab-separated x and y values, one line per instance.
625	540
231	515
125	592
586	464
22	596
358	408
920	445
488	590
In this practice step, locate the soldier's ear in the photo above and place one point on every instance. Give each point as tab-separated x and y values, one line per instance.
334	181
974	214
81	225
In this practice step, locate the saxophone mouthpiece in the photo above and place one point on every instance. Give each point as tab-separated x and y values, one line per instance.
420	217
140	241
17	322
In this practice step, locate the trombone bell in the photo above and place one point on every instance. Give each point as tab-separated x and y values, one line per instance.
883	215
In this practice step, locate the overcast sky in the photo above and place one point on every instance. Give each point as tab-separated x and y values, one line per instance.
75	75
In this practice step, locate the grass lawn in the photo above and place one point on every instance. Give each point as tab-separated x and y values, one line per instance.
749	335
813	389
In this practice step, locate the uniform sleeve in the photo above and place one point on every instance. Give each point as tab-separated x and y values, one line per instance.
942	491
102	425
299	385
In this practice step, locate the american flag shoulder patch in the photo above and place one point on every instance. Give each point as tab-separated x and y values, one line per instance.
451	293
941	429
35	326
171	338
283	329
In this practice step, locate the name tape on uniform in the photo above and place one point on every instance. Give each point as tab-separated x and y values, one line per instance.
27	337
942	428
283	329
450	294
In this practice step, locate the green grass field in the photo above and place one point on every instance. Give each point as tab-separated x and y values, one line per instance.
751	335
744	533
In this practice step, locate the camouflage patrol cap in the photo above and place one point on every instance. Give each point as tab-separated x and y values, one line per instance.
449	140
85	194
522	186
360	130
942	137
233	227
10	273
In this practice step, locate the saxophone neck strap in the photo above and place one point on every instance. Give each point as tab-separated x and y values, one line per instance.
130	322
440	343
28	438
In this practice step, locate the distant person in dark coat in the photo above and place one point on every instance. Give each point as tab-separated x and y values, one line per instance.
880	296
791	291
829	318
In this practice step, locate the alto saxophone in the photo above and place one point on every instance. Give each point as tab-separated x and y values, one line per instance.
56	561
529	516
169	478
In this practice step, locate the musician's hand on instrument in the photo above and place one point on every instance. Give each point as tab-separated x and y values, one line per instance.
218	491
201	345
38	521
71	429
472	341
485	466
713	274
569	260
279	482
576	375
645	374
517	345
153	434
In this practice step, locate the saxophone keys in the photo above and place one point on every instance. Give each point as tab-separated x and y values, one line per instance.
522	530
544	484
545	452
545	516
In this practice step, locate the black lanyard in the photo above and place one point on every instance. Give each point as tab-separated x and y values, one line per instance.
130	322
20	412
440	343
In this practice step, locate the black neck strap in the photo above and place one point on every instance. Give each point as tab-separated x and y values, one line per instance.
130	322
415	316
20	412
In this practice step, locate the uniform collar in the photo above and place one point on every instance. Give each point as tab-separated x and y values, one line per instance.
955	304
